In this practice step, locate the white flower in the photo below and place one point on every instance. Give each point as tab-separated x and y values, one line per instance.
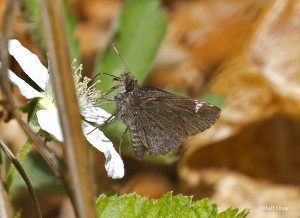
48	118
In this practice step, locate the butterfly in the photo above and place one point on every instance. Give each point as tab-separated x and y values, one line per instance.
158	121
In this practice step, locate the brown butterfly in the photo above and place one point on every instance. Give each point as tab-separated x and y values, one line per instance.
158	121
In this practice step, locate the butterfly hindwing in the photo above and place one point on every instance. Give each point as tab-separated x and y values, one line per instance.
160	129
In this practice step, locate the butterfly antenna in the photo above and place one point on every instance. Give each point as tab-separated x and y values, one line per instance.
123	62
105	74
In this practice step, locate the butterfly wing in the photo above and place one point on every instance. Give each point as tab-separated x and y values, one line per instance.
159	129
162	120
197	115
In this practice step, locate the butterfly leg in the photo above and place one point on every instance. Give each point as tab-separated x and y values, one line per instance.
104	93
110	90
109	99
111	118
121	139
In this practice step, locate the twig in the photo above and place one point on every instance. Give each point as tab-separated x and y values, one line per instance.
74	143
20	169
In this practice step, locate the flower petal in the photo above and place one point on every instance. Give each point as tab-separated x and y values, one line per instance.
26	90
29	63
49	121
94	114
113	164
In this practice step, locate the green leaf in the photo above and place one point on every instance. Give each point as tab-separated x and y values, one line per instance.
132	205
138	33
233	213
244	213
21	156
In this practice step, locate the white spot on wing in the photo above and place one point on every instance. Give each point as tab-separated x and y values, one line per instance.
198	105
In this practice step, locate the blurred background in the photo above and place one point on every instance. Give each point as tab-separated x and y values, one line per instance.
243	56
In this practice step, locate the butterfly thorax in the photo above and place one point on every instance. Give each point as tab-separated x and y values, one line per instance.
125	100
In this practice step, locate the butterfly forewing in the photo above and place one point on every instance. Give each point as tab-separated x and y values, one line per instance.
197	115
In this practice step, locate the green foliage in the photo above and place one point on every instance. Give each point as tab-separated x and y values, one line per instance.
233	213
18	214
39	174
32	15
212	98
71	22
132	205
21	156
31	108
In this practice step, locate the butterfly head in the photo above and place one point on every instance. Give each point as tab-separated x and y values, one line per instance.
127	83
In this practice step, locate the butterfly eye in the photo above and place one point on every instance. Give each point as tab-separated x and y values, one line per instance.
129	87
129	84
